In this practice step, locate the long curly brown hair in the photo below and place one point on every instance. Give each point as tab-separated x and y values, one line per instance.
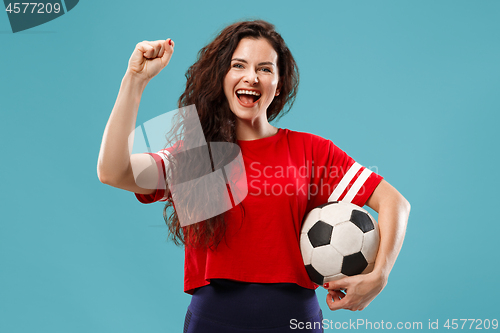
204	89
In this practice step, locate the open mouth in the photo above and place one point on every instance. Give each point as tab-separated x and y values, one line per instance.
248	97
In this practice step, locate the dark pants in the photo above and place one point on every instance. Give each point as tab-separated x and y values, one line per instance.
239	307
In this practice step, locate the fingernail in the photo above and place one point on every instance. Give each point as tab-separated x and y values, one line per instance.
169	42
325	285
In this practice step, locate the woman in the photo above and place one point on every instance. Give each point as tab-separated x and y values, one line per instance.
244	267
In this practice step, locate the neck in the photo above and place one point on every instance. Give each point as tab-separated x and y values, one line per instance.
255	131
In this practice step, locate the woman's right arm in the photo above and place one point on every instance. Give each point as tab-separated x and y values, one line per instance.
116	166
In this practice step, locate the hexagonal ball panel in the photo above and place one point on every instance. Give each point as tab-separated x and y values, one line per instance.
333	277
306	249
347	238
335	213
370	246
320	234
327	203
354	264
362	220
326	260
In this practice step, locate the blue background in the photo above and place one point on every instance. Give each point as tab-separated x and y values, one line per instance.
408	87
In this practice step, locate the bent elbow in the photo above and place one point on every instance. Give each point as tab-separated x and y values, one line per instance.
101	177
408	206
104	177
405	206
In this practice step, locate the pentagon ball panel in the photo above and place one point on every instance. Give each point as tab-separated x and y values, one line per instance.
320	234
338	239
354	264
362	220
314	275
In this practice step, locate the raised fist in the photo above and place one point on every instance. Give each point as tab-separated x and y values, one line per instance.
149	58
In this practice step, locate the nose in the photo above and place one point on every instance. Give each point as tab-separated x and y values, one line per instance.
251	78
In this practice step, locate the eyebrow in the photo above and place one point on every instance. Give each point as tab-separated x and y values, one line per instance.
260	64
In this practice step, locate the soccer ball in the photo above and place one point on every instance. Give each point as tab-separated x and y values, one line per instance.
338	239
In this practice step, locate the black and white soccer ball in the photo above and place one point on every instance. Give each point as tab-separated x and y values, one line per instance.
338	239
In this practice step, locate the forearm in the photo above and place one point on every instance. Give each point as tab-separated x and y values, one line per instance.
114	155
392	219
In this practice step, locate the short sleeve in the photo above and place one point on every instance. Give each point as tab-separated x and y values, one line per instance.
339	177
160	193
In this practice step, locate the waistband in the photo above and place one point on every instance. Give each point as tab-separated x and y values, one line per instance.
255	305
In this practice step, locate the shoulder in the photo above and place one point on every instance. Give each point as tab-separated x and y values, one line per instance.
307	139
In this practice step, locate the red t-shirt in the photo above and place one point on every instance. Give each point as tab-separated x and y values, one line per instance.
288	175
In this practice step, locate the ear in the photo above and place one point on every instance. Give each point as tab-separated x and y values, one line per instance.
278	88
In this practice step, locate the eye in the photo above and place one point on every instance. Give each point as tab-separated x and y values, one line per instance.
237	66
265	69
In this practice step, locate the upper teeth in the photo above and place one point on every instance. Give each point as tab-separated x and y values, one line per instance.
248	92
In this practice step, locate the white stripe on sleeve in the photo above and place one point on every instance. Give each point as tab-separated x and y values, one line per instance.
164	154
357	185
344	182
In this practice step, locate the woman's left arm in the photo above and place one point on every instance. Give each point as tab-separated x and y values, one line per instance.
393	211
